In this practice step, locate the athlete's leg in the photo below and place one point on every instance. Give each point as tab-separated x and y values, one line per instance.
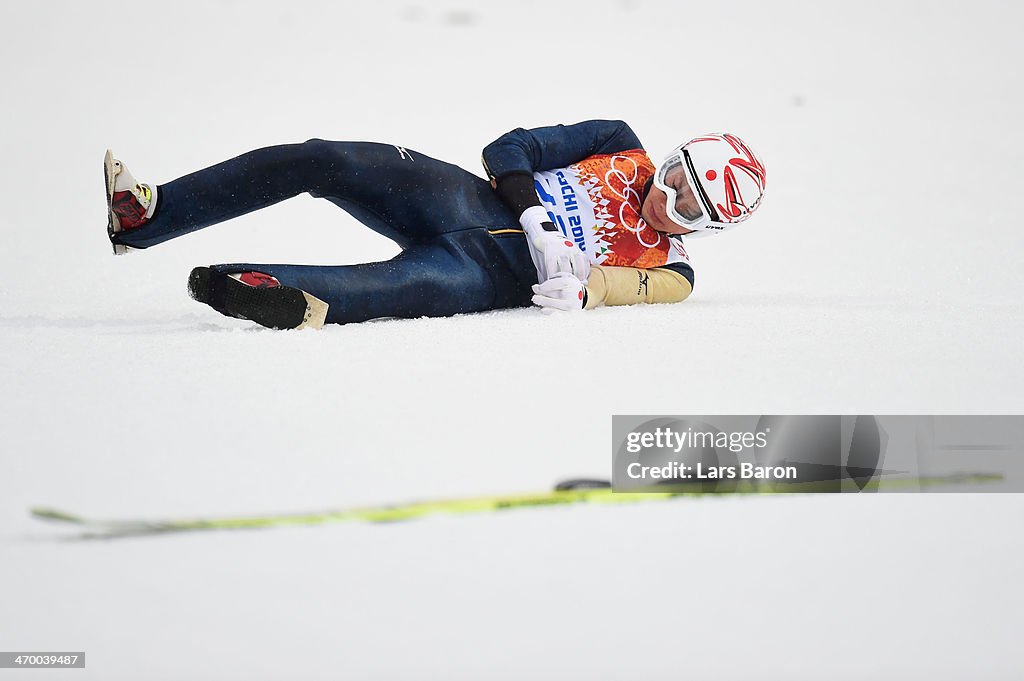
425	280
405	195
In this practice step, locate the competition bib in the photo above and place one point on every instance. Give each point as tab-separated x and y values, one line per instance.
596	204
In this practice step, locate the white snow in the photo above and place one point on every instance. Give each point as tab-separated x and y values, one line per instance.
881	275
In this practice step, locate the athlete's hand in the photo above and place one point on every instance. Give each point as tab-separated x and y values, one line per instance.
563	291
560	255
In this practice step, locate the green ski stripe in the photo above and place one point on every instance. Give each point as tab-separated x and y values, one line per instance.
474	505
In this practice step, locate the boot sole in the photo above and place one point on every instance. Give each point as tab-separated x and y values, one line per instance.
113	224
280	307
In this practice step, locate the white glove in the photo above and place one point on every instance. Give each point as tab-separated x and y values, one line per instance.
558	255
563	291
551	251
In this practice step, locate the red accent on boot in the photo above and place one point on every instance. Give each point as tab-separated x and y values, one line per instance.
258	279
130	213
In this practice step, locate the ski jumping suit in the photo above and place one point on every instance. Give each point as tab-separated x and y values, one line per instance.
463	247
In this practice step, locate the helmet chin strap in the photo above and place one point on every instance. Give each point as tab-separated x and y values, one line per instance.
646	190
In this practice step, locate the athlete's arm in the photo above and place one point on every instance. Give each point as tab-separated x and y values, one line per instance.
631	285
510	162
556	146
615	286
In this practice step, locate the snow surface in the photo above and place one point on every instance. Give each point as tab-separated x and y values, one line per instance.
880	276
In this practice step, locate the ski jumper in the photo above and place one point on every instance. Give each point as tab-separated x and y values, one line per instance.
463	247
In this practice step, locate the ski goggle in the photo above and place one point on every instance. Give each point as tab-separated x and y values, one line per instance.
686	203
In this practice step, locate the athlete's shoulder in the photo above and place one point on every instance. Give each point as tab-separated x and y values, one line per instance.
557	146
616	135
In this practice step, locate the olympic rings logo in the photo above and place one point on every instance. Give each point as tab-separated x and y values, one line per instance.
628	215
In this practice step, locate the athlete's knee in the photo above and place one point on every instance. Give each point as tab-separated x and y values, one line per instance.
315	146
316	151
327	161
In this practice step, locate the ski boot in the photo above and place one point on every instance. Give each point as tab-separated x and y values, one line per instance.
130	204
257	297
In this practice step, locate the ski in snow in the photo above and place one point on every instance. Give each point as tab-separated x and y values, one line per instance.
566	493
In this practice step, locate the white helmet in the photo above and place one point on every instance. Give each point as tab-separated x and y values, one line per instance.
713	182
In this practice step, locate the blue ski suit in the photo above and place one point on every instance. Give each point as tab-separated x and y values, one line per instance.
463	249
